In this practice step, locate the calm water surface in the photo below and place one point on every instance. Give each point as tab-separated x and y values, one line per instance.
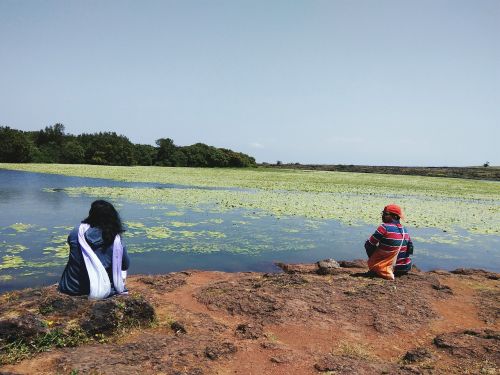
36	216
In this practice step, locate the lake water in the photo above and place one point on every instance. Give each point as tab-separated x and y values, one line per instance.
36	215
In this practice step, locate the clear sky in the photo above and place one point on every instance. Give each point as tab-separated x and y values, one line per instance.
374	82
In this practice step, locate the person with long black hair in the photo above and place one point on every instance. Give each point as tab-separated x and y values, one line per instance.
97	256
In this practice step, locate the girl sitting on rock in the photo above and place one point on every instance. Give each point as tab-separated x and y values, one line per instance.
97	257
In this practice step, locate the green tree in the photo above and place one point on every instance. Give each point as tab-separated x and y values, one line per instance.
166	150
51	134
72	152
47	153
238	159
179	158
196	155
52	145
145	154
107	148
49	142
16	146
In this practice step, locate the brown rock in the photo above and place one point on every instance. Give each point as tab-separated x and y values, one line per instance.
297	268
270	345
22	328
249	331
61	304
178	327
442	288
327	267
483	344
215	351
103	318
476	272
356	263
107	315
417	355
137	310
360	366
282	358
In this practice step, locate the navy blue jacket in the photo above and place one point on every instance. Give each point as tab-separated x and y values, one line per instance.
75	279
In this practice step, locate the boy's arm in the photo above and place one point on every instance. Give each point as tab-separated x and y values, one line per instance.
409	247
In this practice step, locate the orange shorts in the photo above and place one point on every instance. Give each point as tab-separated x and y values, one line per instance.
382	263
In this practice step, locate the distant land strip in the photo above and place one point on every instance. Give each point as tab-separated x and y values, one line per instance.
475	173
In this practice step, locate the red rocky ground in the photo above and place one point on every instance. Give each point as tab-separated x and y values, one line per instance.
297	322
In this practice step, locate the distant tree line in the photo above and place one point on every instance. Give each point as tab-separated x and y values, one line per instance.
53	145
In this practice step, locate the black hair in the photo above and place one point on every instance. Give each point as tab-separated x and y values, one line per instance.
395	216
103	215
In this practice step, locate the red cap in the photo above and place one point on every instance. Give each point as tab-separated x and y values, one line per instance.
394	209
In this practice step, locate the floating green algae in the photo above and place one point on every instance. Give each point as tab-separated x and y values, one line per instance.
11	261
209	243
134	229
164	232
60	251
354	209
215	221
291	230
239	222
351	198
59	248
436	254
174	213
6	278
12	249
129	234
275	180
186	234
211	233
21	227
313	224
29	273
134	225
64	227
44	264
445	238
180	224
59	239
154	233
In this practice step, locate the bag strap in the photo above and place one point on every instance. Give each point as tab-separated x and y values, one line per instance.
100	286
403	240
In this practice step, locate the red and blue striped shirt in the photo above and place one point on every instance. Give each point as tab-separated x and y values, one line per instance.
390	237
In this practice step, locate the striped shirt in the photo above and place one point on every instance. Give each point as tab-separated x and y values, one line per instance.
389	237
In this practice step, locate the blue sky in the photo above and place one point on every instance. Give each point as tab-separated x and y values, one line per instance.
353	82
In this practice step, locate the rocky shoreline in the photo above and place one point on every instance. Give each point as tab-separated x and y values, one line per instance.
325	318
